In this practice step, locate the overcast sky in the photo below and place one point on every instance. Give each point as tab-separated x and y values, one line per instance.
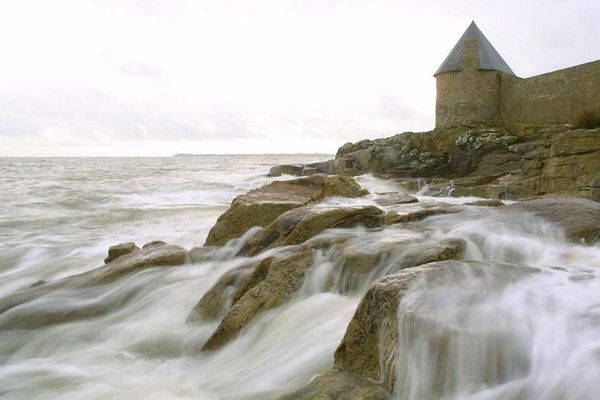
135	77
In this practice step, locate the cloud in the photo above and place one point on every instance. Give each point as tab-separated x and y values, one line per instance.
252	75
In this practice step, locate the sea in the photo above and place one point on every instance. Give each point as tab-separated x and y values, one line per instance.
539	339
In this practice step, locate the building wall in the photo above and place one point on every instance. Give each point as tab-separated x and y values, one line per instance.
469	96
472	96
553	98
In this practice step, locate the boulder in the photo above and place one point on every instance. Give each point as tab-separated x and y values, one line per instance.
369	346
286	169
260	207
416	212
153	243
155	256
119	250
198	255
298	225
218	299
485	203
281	278
390	258
321	167
392	198
580	218
340	386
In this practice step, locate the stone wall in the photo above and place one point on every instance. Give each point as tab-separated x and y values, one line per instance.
472	97
469	96
553	98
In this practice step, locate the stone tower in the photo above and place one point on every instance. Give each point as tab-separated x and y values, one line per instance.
469	82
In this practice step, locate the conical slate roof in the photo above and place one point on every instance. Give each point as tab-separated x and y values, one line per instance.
489	59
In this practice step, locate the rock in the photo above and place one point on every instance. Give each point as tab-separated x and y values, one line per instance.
309	171
218	299
392	198
417	212
340	386
153	256
360	262
153	243
368	348
485	203
157	256
198	255
485	161
282	278
321	167
579	218
415	254
260	207
286	169
394	257
119	250
298	225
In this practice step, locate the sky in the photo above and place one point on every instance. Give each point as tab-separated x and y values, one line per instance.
155	78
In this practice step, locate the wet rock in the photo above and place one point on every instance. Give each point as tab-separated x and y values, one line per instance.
153	243
579	218
65	304
218	299
415	254
286	169
154	256
417	212
200	254
368	348
360	262
485	161
321	167
158	256
281	279
119	250
392	198
299	225
309	171
485	203
394	257
260	207
340	386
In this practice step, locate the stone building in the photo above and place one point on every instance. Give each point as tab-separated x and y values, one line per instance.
476	86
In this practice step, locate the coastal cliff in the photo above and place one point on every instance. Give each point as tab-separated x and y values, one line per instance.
490	162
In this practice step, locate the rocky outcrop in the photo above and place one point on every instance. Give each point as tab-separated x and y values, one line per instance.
340	386
393	198
322	167
416	212
390	258
119	250
275	284
488	162
368	350
155	255
151	256
218	299
579	218
485	203
244	292
260	207
298	225
201	254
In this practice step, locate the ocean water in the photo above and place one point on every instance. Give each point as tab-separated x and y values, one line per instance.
536	339
59	215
